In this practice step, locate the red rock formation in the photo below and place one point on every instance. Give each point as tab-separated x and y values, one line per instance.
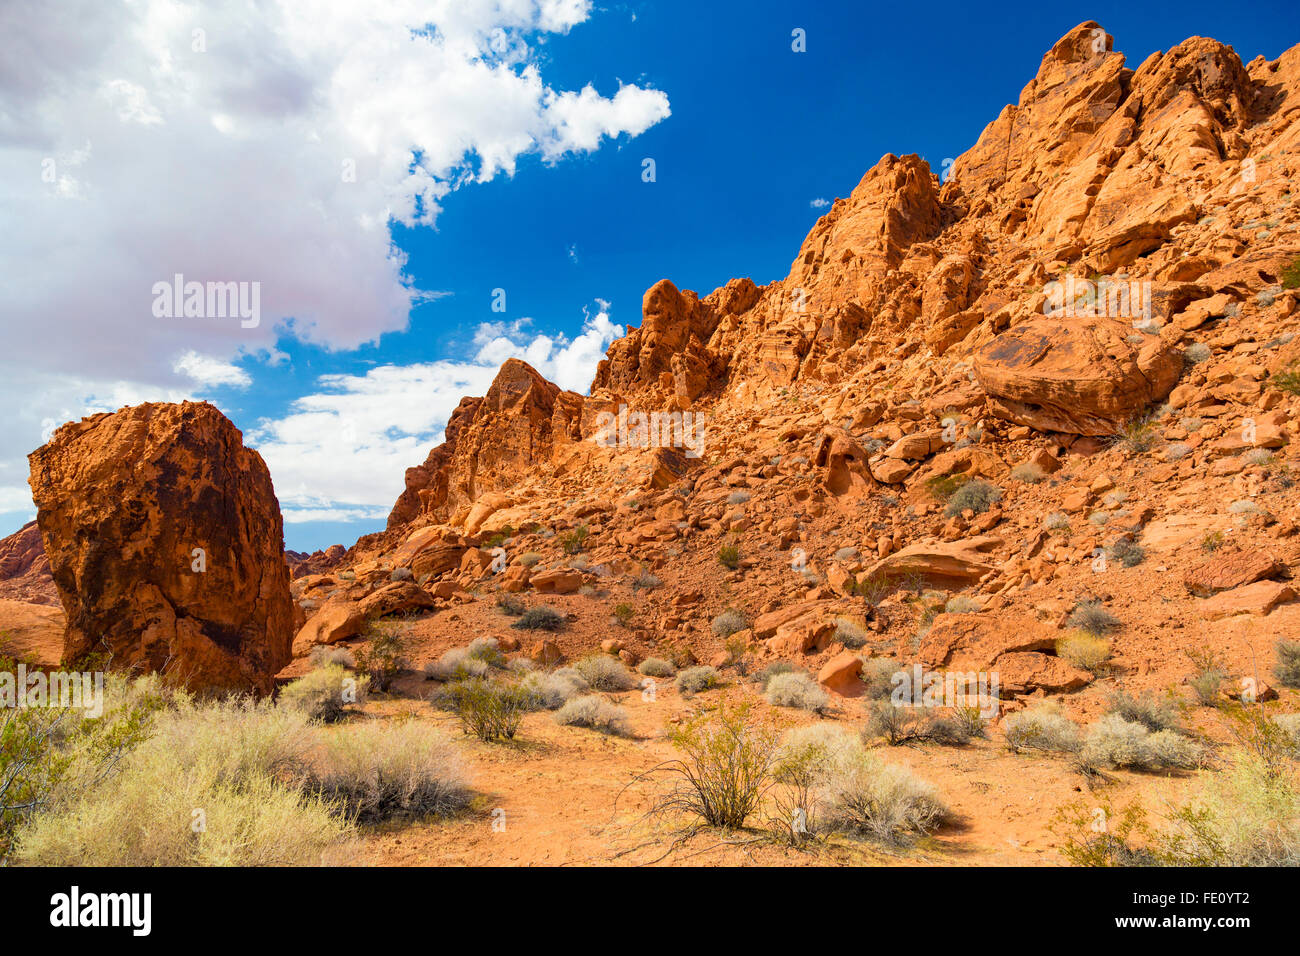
1078	375
24	569
166	545
491	442
318	562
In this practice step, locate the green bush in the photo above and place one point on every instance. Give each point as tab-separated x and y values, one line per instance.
549	691
1091	617
977	495
797	690
851	790
728	622
539	619
487	709
1150	712
326	693
605	673
729	556
1287	670
693	680
1042	728
656	667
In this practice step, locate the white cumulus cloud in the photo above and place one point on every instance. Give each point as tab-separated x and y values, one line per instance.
271	142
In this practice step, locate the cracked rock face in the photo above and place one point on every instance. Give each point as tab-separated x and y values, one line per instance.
166	544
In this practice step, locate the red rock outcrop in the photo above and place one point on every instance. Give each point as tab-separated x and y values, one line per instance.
490	444
24	568
166	545
1081	376
318	562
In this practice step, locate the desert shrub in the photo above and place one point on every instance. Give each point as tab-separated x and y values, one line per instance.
1029	473
1057	521
383	771
878	677
1209	673
1291	275
911	724
656	667
1147	710
797	690
738	497
549	691
1115	742
596	713
961	604
1212	541
952	729
943	487
144	815
1098	518
383	658
724	767
602	672
1042	728
529	559
624	612
1177	451
1246	815
1128	553
1085	651
1196	353
729	556
849	553
237	738
324	654
646	582
763	677
871	589
48	754
510	605
487	650
1289	725
693	680
487	709
574	541
976	495
850	633
1091	617
326	693
972	722
1287	670
1260	457
855	792
541	618
456	664
728	622
234	767
1138	436
897	725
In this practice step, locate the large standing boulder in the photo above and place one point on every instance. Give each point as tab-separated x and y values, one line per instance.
1082	376
166	544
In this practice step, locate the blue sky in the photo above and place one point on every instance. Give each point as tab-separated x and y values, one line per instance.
755	133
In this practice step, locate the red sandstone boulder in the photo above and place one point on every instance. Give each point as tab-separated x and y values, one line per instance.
166	545
1081	376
